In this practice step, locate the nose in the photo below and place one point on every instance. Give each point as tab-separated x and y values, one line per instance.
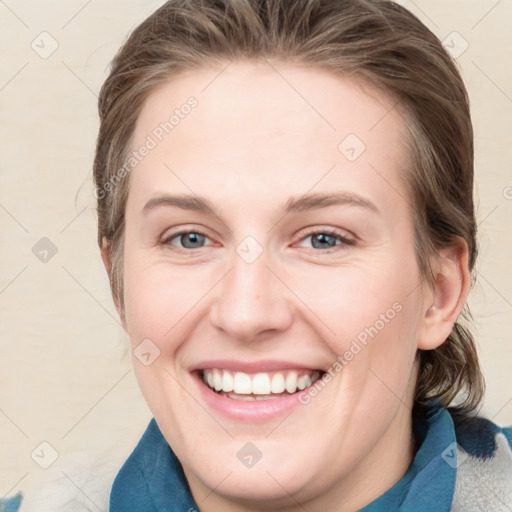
251	303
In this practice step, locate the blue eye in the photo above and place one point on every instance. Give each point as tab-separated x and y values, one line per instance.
188	239
327	239
321	240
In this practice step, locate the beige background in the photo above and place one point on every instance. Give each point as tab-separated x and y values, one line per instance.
65	371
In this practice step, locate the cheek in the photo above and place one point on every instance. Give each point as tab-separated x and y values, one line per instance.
344	303
156	295
352	301
368	316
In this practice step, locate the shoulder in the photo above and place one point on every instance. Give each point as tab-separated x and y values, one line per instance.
11	504
151	479
130	485
484	466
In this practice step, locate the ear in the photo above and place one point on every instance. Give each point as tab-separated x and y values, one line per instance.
445	301
107	261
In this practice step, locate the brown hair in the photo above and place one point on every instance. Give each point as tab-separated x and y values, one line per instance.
375	40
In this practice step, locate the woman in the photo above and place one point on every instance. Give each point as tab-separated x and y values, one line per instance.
286	217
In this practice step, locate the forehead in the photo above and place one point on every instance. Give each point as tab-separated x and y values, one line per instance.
268	130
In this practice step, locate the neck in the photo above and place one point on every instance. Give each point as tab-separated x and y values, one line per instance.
382	468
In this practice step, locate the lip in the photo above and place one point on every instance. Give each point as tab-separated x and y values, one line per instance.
258	411
252	366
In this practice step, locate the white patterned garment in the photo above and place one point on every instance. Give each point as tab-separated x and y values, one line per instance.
484	478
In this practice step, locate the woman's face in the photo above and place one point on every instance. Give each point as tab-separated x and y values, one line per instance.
270	239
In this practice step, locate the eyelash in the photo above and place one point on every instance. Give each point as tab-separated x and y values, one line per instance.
331	232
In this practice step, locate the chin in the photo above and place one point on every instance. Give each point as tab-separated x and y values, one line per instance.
272	479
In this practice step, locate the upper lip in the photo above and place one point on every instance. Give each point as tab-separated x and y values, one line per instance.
252	366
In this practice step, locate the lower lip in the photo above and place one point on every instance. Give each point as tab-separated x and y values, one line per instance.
253	411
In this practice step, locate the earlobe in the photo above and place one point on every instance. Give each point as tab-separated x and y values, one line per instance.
451	287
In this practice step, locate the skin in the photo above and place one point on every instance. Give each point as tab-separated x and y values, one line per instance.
253	142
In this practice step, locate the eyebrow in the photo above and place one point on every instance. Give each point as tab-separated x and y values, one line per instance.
301	203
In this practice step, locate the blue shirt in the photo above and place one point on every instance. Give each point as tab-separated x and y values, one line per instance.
463	468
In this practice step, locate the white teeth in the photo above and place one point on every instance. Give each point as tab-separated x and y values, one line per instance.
217	380
242	384
303	382
278	385
227	381
291	382
259	386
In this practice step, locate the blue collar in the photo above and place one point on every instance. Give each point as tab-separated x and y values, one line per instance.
430	480
152	478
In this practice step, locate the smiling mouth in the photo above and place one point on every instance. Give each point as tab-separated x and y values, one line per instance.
259	386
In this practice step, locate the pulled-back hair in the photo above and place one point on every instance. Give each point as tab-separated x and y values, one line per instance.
376	41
